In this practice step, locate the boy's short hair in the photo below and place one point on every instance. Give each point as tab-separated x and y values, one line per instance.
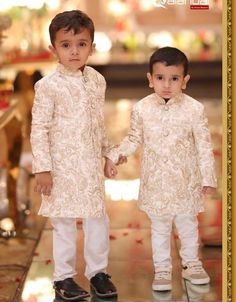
169	56
75	20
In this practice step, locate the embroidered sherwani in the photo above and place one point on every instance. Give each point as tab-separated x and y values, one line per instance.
68	138
177	159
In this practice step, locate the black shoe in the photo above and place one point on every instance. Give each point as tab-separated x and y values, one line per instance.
102	286
95	298
68	290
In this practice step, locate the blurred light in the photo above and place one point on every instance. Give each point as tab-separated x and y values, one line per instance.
36	4
160	39
7	224
117	8
40	288
24	44
53	4
122	189
102	41
123	105
4	5
146	4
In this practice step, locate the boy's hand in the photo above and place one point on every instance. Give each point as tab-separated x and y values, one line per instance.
122	159
208	190
43	183
110	170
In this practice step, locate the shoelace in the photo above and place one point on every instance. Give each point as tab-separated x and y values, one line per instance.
162	275
196	268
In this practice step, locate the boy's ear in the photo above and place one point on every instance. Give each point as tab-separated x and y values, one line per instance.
93	49
52	49
149	76
186	79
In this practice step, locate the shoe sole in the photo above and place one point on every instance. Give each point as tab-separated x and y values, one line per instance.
197	282
59	296
110	295
162	287
63	300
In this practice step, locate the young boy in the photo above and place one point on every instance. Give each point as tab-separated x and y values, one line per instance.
177	166
68	141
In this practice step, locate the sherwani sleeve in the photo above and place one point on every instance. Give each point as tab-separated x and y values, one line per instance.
203	144
106	144
42	114
131	142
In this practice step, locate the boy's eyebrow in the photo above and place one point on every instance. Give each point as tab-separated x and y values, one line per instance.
62	41
173	75
68	40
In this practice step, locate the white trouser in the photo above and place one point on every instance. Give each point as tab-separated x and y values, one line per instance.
161	228
96	246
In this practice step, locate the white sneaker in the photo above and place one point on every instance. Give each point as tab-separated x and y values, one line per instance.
162	296
196	292
162	280
195	273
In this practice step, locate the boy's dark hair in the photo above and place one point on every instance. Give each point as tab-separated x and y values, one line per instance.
169	56
75	20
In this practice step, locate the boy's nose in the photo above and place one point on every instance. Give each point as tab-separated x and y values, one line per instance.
75	50
166	83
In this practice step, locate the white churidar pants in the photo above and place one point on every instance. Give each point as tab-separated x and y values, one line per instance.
161	228
96	246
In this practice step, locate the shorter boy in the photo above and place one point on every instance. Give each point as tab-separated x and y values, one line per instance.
177	166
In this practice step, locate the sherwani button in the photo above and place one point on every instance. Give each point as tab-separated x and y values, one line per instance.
166	133
166	108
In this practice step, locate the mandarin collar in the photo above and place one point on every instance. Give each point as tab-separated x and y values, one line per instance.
172	100
78	73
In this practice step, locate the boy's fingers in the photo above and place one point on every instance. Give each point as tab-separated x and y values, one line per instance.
37	188
43	189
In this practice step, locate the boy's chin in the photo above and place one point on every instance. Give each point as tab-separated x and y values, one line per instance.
166	96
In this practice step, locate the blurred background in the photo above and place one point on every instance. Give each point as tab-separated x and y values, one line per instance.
127	32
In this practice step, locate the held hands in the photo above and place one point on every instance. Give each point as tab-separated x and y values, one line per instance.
43	183
110	170
122	159
208	190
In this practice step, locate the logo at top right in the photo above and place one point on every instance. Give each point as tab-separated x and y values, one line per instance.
199	4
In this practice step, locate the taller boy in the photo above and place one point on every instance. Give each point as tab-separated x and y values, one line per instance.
68	141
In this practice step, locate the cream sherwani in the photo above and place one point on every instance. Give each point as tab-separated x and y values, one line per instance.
177	159
68	138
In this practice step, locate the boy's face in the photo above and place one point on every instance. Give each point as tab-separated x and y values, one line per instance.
167	81
72	50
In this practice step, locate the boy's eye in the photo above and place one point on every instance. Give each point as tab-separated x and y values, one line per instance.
160	78
175	78
82	44
65	45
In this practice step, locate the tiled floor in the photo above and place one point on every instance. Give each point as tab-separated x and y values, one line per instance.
130	261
